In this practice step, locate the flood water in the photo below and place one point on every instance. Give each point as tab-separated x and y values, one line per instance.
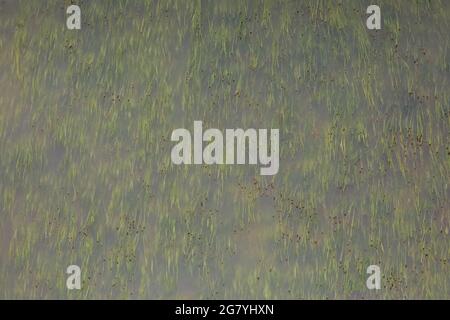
86	176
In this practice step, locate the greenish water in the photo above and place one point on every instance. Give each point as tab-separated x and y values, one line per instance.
85	170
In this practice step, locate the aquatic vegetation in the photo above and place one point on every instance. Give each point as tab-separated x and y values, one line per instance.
86	176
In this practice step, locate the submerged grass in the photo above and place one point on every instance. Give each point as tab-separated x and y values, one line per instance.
85	171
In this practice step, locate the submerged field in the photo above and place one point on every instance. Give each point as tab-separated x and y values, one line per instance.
86	176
